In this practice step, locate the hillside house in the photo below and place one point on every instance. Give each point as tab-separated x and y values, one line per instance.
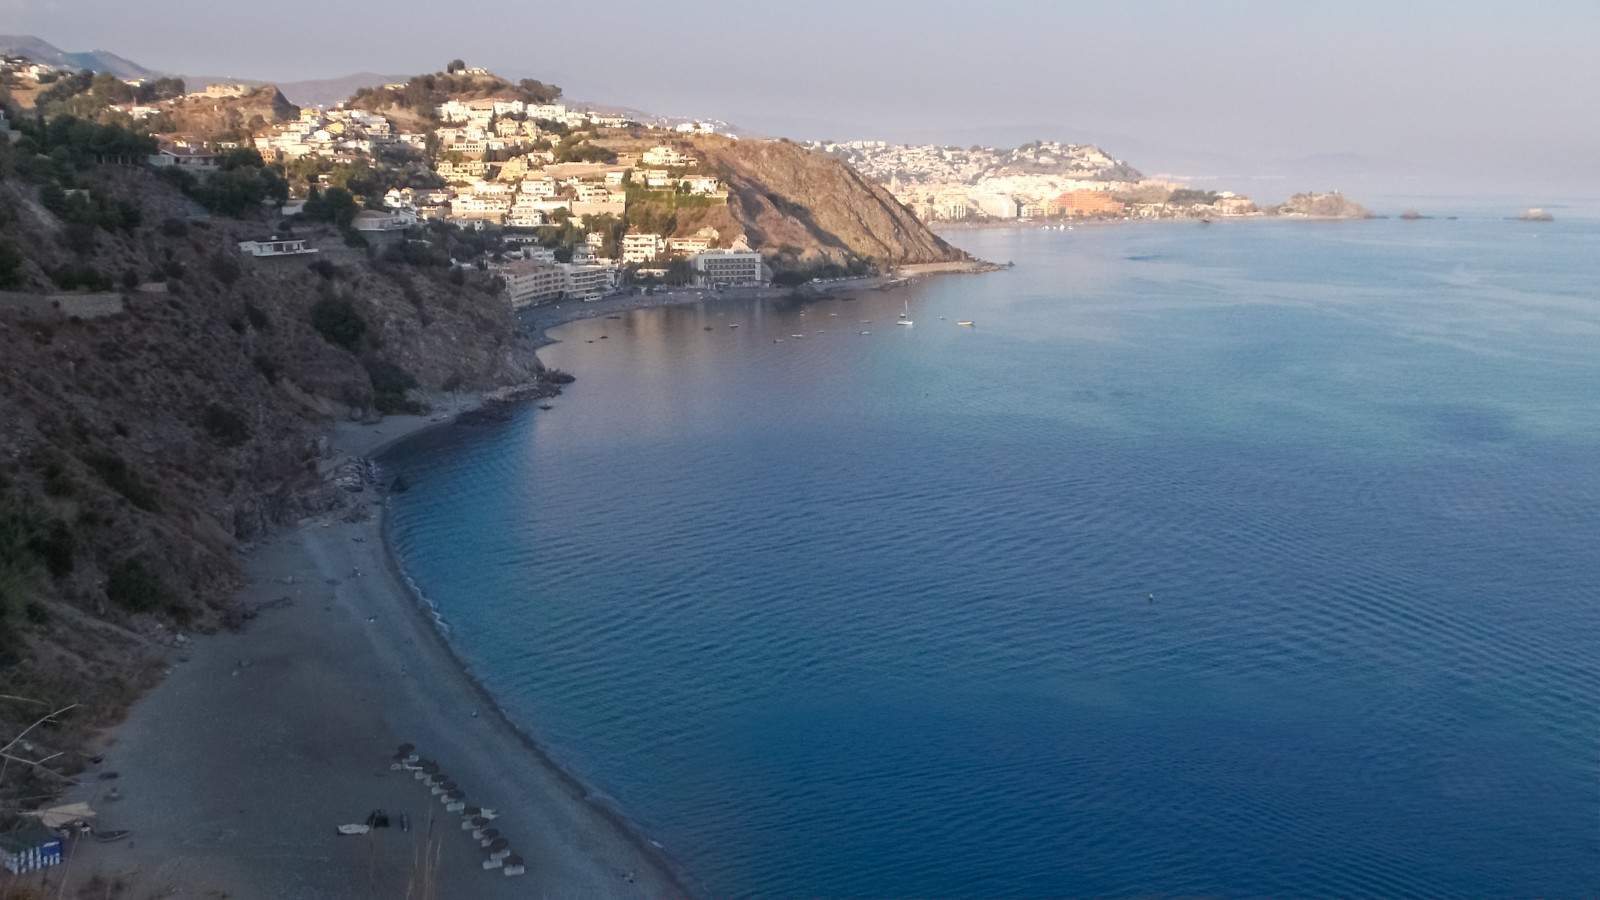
275	246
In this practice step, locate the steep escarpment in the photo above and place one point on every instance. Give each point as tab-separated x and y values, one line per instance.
803	208
162	399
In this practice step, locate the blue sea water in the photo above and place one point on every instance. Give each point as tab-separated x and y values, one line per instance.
1257	559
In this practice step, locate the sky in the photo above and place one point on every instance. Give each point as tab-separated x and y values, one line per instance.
1442	96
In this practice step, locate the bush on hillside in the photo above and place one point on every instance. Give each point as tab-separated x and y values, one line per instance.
336	319
224	425
10	266
389	386
132	586
119	477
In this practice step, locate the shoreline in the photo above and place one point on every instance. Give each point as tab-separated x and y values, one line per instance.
537	321
341	661
334	618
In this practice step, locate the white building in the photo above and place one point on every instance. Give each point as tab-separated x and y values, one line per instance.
667	157
727	268
701	184
274	246
533	282
586	282
189	159
642	248
373	220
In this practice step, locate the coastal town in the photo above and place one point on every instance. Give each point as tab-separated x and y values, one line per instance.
1044	180
558	186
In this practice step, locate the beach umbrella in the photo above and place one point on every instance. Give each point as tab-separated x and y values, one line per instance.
471	812
514	865
499	844
406	749
487	836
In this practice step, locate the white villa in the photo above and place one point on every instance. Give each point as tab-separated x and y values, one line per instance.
275	246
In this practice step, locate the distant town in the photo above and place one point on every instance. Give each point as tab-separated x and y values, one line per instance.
1042	180
517	160
580	202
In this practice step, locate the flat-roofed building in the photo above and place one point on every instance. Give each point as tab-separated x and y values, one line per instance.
727	268
642	248
586	282
1083	203
533	281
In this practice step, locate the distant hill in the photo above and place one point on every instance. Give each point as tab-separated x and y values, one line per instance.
329	91
213	116
42	51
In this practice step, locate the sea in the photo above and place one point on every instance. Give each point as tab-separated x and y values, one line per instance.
1257	558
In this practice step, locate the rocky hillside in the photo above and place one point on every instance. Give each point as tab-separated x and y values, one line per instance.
202	115
804	208
1331	205
139	448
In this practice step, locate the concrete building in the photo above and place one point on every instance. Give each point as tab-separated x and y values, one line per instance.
189	159
531	282
275	246
666	157
1086	203
642	248
372	220
586	282
727	268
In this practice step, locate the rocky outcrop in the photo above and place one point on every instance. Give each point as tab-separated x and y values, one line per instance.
1332	205
803	208
257	107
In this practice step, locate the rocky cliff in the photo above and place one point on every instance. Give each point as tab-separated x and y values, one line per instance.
1332	205
804	208
139	449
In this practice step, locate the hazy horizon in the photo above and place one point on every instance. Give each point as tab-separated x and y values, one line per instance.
1433	98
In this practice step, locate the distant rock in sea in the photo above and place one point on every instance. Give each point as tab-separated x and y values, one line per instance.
1332	205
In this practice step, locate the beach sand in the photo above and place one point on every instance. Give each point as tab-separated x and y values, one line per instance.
234	772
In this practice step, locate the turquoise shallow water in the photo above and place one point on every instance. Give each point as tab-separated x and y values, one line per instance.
872	614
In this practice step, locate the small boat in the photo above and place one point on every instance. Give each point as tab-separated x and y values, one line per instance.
733	324
905	317
966	323
866	332
546	406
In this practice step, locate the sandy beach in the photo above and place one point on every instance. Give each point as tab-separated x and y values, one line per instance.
233	774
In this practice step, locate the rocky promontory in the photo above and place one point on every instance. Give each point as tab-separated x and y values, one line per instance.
1331	205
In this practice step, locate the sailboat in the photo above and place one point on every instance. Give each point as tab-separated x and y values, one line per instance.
905	317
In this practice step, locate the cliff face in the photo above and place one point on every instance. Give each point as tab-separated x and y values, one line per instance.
804	208
137	450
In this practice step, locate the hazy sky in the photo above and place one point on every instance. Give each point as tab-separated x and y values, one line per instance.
1443	92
